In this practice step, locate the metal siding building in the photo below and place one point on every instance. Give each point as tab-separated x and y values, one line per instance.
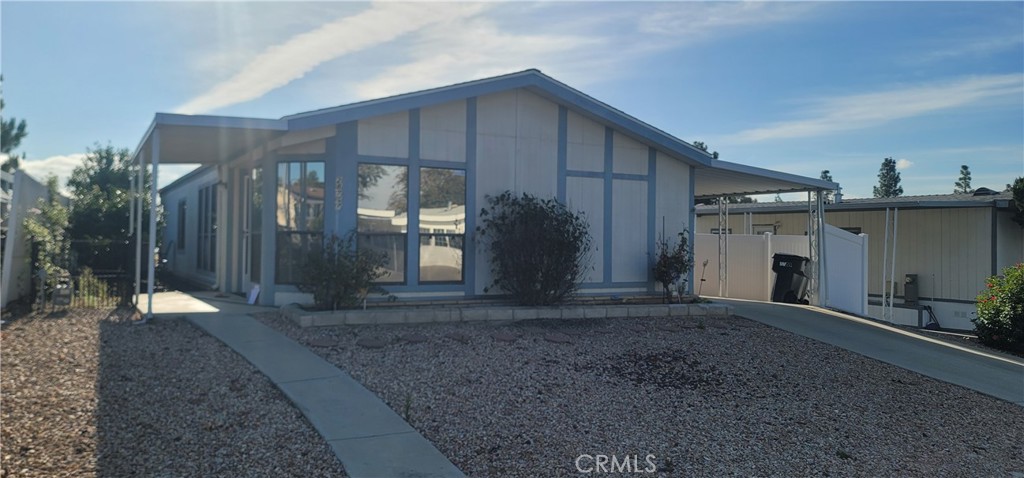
278	185
952	242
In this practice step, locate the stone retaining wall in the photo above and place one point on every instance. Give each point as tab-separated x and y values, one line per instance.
305	318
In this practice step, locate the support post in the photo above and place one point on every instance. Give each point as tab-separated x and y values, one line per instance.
885	266
137	206
151	265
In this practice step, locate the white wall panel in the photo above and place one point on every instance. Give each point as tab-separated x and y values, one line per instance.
672	196
537	145
628	156
586	195
630	260
585	144
443	132
386	135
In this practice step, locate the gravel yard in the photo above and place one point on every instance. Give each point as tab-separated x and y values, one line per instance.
90	394
705	397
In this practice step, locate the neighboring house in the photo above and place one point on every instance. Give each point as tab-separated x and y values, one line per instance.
410	173
21	199
951	242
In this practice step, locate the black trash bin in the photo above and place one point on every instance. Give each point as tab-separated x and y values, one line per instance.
790	280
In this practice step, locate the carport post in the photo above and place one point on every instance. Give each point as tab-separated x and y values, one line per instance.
155	158
822	258
137	206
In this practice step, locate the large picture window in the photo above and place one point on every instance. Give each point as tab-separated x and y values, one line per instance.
382	215
442	218
206	243
300	216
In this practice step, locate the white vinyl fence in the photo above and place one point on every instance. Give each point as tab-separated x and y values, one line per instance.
749	261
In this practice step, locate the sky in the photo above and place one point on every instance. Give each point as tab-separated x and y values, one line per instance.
794	87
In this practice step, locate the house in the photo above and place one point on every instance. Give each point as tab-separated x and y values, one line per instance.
409	173
945	246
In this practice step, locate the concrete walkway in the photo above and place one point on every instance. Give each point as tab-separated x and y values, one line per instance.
998	375
369	438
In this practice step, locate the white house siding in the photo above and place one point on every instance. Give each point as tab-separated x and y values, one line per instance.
628	156
1010	241
629	231
26	193
584	144
443	132
672	196
183	261
386	135
586	195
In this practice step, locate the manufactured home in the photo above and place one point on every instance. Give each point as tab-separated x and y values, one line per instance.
933	253
409	174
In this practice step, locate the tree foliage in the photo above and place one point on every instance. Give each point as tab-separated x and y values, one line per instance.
673	262
12	131
47	225
539	248
1000	319
826	175
437	187
339	275
963	185
888	180
101	187
704	147
1017	189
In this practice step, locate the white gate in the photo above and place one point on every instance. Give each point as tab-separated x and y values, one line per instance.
749	273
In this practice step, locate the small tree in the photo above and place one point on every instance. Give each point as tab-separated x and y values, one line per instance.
340	276
963	185
826	175
888	180
1000	320
1017	189
539	248
672	263
48	228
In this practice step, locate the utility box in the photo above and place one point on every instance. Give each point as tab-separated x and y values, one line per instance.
910	290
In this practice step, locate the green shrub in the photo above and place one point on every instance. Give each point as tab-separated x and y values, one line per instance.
340	276
1000	321
539	248
672	263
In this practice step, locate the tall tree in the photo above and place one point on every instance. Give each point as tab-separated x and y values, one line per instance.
99	221
12	132
1018	200
826	175
963	185
888	180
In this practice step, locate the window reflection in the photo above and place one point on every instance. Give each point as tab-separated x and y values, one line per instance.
382	215
300	216
442	218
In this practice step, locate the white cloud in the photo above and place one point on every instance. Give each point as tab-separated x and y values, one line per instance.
698	19
865	110
456	50
280	64
60	166
903	163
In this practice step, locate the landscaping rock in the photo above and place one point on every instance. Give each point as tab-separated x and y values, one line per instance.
322	341
371	343
458	337
557	337
414	338
504	336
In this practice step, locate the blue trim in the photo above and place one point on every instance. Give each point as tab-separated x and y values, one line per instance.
210	121
412	242
331	167
433	163
693	222
609	134
533	80
304	158
602	175
348	167
365	158
652	218
268	230
563	148
469	251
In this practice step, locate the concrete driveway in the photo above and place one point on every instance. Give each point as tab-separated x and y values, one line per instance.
998	375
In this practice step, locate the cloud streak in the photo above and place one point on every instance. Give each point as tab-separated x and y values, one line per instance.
283	63
860	111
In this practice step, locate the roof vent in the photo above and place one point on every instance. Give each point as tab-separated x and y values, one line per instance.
985	192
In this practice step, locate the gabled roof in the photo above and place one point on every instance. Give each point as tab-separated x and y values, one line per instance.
532	80
999	200
214	139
